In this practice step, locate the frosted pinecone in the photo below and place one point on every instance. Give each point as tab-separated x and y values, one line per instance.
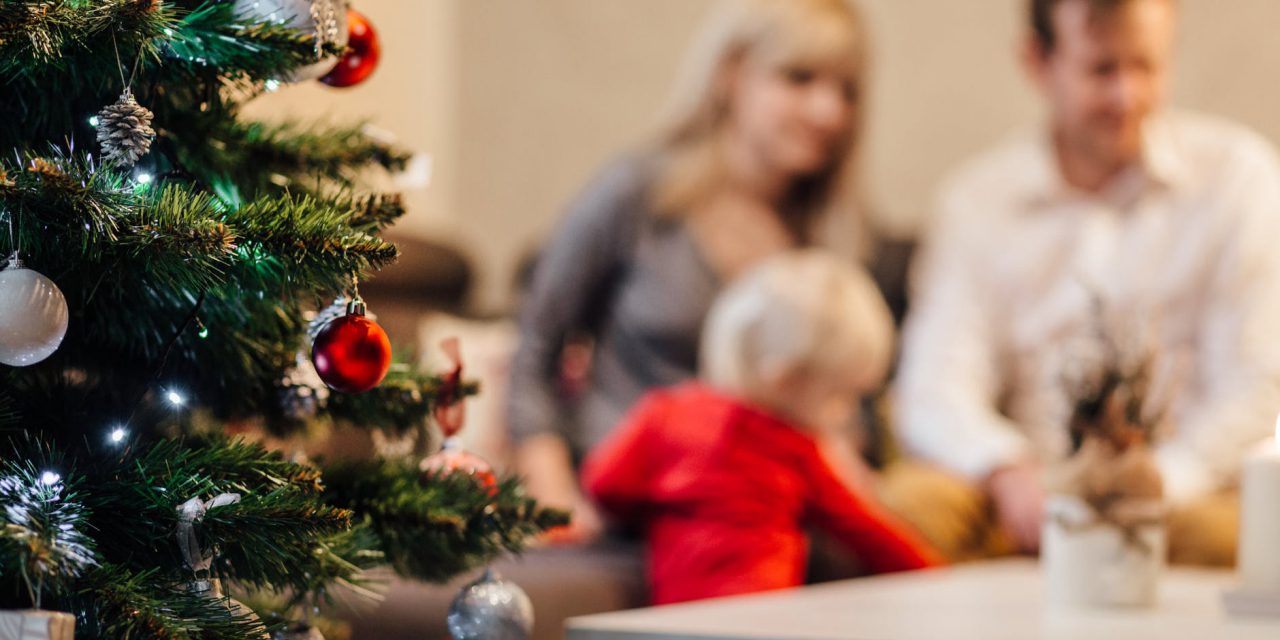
124	130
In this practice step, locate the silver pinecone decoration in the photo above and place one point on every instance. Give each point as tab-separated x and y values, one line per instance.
124	130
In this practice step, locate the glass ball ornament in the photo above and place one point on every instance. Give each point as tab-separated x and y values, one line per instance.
453	459
33	318
326	20
363	50
352	354
491	608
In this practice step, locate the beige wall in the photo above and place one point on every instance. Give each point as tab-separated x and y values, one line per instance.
413	96
519	101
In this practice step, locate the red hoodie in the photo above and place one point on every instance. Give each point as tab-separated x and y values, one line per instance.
723	489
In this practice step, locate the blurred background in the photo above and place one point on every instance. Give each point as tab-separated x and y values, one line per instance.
514	104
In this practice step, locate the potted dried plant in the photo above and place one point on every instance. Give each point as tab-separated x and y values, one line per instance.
1104	536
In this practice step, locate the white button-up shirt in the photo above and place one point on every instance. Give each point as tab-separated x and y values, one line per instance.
1180	255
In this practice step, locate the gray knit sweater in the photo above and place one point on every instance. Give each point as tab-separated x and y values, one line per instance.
632	280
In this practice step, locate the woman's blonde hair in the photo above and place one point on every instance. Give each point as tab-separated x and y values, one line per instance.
802	311
781	33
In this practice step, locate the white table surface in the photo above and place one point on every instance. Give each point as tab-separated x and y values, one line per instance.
984	601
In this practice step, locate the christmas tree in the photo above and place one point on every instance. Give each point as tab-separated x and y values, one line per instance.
165	254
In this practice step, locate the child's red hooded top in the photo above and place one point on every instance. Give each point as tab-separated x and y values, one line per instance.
724	490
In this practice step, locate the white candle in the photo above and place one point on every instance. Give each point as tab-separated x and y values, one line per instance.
1260	518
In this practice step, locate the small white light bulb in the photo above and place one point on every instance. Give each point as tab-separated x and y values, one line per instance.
117	435
143	178
175	398
49	478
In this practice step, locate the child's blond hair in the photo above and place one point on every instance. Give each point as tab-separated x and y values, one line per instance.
803	311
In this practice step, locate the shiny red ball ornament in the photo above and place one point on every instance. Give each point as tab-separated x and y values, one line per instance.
361	57
452	459
352	353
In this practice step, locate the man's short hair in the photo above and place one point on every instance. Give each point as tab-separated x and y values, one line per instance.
1042	17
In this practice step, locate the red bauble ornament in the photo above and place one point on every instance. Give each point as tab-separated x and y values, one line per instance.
361	57
352	353
453	459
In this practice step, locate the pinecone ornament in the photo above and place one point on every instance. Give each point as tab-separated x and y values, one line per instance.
124	130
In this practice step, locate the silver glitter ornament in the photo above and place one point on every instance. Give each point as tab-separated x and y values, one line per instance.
491	609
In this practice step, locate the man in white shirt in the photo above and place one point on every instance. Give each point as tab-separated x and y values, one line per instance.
1167	221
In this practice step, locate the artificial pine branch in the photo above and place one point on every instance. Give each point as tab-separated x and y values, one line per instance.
173	241
331	151
60	196
38	36
35	34
234	463
402	402
272	531
153	252
213	36
274	241
270	540
376	212
235	158
43	526
434	527
121	604
303	239
340	560
58	59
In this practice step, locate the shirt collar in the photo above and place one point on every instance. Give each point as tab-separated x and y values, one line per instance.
1162	157
1162	164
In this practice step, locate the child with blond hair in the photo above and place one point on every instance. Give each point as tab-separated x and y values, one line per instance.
724	474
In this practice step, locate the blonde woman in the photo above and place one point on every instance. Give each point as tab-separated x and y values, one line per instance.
756	157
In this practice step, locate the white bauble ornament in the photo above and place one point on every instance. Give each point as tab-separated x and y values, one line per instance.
327	19
33	316
491	609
